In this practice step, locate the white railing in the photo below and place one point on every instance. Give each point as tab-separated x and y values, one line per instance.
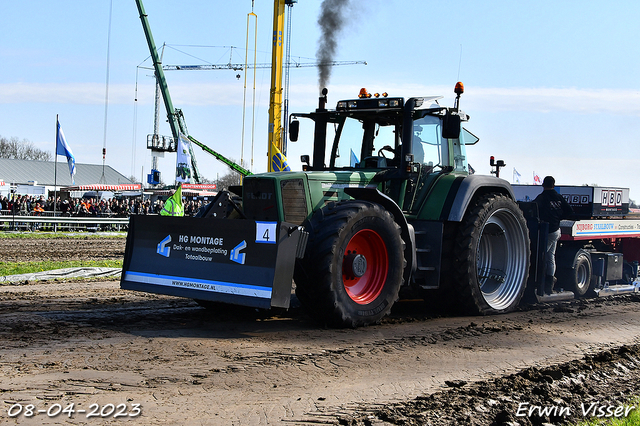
46	221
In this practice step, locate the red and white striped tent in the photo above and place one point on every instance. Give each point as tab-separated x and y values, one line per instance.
188	189
101	187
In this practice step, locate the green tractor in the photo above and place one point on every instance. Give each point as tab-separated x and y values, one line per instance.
386	205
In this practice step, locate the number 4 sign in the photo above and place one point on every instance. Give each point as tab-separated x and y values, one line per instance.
266	232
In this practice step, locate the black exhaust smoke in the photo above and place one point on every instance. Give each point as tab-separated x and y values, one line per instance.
331	20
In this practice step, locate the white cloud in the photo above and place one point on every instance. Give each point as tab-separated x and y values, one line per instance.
489	99
94	94
64	93
585	101
495	99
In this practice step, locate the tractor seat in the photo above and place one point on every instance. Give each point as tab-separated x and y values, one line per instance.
373	163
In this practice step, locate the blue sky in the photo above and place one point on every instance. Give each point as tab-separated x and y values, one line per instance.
551	86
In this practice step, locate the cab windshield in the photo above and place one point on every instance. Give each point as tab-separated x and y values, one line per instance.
356	141
373	144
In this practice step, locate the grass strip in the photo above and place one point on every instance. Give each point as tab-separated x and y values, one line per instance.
15	268
632	420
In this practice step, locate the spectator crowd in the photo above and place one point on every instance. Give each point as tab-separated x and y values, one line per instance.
31	205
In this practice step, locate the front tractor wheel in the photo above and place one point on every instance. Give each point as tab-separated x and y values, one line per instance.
352	270
492	256
364	266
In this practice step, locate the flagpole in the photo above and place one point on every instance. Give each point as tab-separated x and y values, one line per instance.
55	172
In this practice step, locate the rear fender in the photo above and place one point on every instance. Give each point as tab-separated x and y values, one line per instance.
407	232
471	187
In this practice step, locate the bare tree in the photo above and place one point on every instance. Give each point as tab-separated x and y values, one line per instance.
231	178
13	148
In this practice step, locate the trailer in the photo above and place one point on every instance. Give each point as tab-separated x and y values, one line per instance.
599	248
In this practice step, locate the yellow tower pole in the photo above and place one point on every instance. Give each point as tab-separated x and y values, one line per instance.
275	104
244	98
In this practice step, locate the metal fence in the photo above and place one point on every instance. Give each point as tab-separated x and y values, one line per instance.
46	221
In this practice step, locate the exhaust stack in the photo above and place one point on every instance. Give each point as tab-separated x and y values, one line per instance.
320	132
322	101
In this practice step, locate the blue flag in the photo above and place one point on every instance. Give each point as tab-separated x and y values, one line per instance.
63	148
353	160
516	176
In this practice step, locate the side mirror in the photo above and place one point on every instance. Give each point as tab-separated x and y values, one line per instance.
451	125
469	138
294	130
304	159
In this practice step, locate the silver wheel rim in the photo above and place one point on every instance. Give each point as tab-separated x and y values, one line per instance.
581	278
502	259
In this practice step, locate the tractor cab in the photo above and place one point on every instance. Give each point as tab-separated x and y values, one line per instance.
400	142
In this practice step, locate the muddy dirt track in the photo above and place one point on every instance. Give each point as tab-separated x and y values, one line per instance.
166	361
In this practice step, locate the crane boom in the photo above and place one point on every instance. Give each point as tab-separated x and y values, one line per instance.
157	67
236	167
275	99
175	124
242	67
174	116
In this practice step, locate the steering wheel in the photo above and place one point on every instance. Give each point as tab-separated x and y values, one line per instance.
386	148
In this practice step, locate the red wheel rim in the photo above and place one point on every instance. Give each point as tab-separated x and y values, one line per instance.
366	288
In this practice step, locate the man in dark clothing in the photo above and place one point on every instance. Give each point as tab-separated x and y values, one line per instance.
552	208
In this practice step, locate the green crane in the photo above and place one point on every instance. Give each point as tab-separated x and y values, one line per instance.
175	116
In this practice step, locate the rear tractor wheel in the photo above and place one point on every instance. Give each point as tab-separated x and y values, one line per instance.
492	256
